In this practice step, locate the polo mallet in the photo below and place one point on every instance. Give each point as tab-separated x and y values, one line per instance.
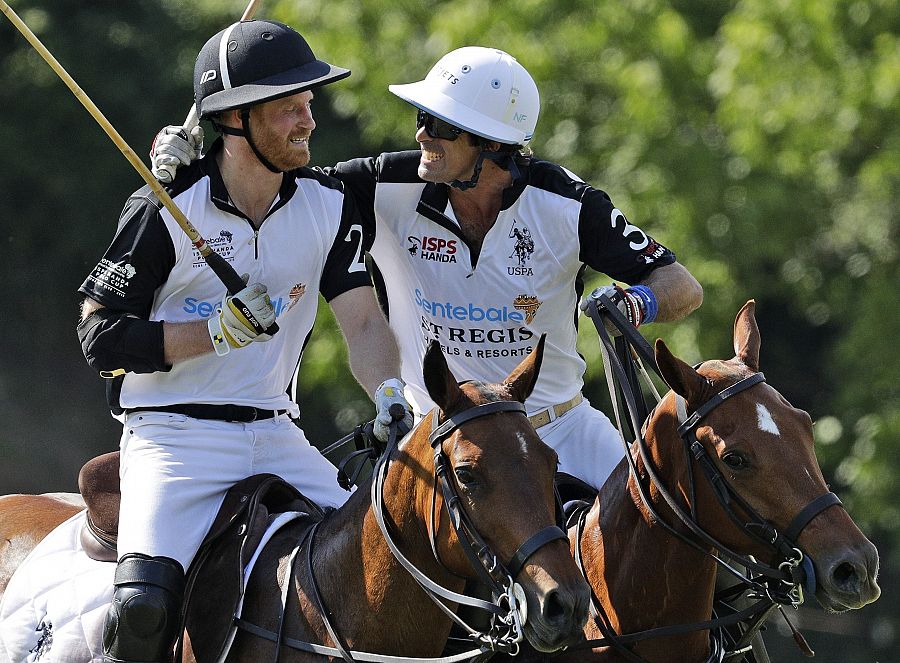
222	268
193	117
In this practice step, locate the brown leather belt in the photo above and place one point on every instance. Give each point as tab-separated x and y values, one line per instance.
545	416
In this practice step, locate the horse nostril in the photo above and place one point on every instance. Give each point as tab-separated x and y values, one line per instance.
847	576
556	610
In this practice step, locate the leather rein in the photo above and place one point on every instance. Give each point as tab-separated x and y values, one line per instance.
774	586
508	610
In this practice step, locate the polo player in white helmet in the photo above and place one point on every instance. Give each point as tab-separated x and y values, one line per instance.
483	91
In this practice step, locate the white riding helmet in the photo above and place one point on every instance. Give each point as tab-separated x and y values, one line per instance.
482	90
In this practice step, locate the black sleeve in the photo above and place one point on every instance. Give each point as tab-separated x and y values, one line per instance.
112	340
137	262
359	177
611	245
345	266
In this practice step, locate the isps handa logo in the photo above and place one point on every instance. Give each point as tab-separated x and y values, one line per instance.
435	249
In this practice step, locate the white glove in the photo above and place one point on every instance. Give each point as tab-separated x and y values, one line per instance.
390	392
174	146
242	319
629	305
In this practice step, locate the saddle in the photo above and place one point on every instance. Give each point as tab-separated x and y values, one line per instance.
235	534
574	495
98	483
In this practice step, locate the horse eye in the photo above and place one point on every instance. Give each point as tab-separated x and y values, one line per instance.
735	461
464	476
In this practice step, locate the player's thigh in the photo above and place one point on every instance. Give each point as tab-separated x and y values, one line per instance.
287	453
588	445
175	471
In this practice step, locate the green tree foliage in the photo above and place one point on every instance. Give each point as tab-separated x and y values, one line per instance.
63	185
757	138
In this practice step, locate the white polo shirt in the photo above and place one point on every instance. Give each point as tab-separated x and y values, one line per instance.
311	241
489	310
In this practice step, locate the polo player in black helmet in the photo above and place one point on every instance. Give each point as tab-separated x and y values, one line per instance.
200	385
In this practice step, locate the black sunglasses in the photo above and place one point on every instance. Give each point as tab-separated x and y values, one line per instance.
436	127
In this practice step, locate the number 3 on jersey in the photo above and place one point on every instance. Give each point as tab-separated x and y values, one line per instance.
614	216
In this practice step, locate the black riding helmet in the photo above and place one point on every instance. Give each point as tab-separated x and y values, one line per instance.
251	62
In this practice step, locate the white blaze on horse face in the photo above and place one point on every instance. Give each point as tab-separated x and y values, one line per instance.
765	421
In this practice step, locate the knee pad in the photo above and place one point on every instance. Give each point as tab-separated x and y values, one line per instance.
145	614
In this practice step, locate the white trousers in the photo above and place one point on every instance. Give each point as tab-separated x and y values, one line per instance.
587	443
175	471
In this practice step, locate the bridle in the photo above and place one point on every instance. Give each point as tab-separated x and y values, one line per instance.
795	575
783	583
508	610
494	574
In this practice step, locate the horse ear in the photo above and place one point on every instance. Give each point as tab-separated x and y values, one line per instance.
680	377
524	376
746	336
442	386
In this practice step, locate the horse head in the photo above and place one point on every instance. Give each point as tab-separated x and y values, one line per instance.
500	475
762	449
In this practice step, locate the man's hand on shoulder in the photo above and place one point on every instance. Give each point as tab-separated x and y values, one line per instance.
174	146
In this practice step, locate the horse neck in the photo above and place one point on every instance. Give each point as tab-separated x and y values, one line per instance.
642	575
356	570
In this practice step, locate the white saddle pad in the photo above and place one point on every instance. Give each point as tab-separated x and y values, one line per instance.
56	602
54	606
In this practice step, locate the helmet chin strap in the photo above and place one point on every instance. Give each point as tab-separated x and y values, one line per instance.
245	133
505	160
465	185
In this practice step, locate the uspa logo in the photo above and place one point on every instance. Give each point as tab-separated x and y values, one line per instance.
523	248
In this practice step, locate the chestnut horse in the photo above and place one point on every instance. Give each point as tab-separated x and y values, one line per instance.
477	458
724	459
649	568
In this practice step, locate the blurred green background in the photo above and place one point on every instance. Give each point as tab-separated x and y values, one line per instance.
760	139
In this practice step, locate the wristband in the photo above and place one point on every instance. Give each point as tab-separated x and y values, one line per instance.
648	301
220	343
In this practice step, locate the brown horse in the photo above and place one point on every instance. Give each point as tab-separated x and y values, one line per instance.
761	448
500	479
